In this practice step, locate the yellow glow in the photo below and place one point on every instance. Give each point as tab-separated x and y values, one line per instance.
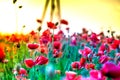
96	15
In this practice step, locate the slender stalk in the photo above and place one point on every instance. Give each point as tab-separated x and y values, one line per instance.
59	12
44	10
52	9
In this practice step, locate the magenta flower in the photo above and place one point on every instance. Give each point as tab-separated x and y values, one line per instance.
110	70
96	75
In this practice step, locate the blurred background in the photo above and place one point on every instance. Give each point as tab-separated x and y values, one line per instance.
95	15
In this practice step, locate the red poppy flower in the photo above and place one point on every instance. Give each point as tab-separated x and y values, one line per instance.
64	22
29	63
56	38
75	65
70	75
40	60
110	70
82	61
51	25
32	32
2	54
22	71
33	45
89	66
57	45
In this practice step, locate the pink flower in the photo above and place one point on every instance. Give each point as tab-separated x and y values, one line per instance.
70	75
104	59
29	63
40	60
96	75
33	45
85	51
110	70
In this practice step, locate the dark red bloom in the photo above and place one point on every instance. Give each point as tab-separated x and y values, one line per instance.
2	54
64	22
33	45
40	60
75	65
22	72
29	63
51	25
110	70
57	45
